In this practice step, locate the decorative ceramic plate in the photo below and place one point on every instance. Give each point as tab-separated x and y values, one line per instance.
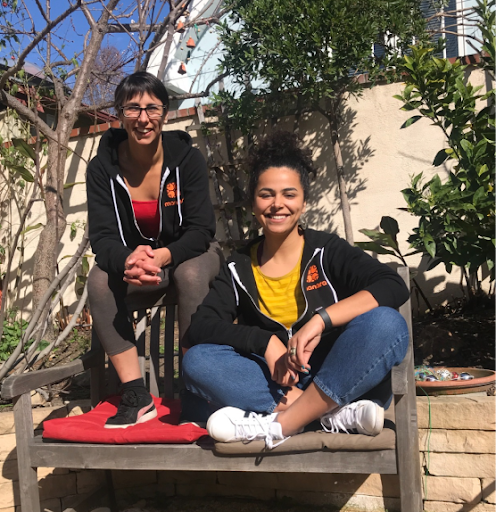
483	380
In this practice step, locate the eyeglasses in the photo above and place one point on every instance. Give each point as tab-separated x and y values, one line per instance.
152	111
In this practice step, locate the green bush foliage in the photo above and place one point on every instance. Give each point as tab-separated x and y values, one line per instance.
456	212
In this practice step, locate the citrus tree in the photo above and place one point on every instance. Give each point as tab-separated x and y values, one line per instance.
456	212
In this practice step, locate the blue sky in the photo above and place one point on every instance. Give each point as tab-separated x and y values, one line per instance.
68	37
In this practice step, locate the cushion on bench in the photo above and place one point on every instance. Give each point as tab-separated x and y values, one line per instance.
89	427
319	440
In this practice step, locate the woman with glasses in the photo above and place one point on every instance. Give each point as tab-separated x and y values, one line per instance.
151	223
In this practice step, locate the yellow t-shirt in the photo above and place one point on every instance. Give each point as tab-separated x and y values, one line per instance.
280	298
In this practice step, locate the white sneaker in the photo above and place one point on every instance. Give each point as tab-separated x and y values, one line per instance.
364	417
231	424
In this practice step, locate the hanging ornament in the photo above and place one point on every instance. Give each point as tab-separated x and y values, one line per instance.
190	43
182	68
180	27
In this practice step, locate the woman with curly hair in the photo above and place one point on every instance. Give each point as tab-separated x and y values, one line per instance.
316	332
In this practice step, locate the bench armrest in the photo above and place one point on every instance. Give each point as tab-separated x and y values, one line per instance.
399	374
16	385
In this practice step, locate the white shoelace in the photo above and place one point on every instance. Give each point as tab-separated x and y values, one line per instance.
255	426
341	420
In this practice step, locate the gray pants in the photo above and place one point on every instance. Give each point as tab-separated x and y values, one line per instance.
107	297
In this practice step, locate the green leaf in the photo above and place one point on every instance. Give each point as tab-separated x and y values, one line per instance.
24	148
23	172
440	158
434	263
70	185
430	245
411	121
374	247
390	226
416	179
374	234
31	228
479	194
467	147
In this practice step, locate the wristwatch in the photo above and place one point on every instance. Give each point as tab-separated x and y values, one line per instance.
325	316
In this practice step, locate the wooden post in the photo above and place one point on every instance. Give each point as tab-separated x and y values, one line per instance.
28	476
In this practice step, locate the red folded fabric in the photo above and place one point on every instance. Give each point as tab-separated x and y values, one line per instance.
89	427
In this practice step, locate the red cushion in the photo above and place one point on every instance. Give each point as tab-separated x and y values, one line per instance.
89	427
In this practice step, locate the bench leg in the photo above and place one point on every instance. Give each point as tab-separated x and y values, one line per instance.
408	450
111	490
28	477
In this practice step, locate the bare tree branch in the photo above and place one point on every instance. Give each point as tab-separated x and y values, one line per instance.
26	112
203	94
39	37
42	12
468	36
210	53
42	305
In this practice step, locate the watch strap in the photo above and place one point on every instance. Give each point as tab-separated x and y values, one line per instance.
325	317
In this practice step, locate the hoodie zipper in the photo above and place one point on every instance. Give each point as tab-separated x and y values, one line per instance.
290	330
238	280
124	186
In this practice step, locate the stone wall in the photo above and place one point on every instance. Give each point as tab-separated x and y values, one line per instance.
457	442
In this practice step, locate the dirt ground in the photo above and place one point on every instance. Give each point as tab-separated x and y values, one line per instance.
210	504
457	335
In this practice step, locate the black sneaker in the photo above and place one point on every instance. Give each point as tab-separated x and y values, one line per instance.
133	409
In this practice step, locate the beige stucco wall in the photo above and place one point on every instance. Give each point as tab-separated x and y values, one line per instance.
379	160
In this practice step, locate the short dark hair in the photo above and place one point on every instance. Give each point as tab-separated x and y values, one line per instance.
280	149
138	84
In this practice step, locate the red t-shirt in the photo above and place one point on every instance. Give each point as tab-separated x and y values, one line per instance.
148	217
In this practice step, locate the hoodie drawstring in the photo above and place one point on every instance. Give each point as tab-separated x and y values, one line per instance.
179	197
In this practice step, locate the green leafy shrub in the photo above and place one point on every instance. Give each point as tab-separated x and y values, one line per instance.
13	330
386	242
457	213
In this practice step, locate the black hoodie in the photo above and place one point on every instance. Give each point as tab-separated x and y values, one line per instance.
187	225
331	270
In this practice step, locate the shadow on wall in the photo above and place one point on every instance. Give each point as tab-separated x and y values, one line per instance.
314	129
74	175
355	154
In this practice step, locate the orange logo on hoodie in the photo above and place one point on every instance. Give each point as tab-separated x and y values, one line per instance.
171	190
313	274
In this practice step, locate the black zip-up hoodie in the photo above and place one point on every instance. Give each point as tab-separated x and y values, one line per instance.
187	221
331	270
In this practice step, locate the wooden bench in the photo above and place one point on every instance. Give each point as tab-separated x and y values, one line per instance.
33	452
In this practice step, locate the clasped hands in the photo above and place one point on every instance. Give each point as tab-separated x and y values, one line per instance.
144	264
284	364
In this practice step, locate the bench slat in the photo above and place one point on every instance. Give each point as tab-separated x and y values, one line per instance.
16	385
192	457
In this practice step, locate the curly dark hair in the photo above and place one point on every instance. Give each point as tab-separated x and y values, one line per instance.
280	149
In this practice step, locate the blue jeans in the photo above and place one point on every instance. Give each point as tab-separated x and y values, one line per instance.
356	366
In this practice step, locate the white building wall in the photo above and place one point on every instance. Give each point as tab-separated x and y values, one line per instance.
379	160
201	62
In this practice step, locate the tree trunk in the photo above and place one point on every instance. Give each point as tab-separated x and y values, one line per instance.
45	257
343	194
